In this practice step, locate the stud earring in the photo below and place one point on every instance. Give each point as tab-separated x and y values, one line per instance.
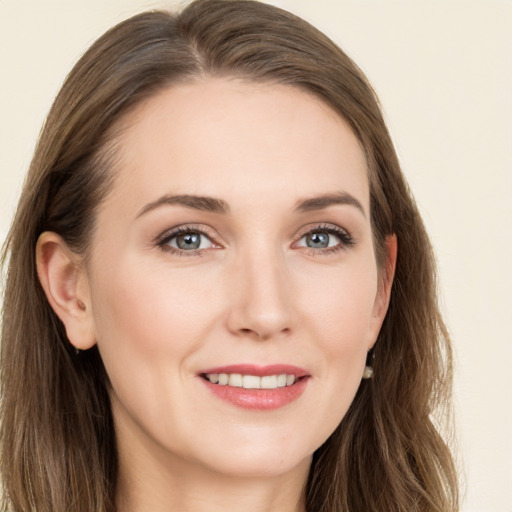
367	372
368	369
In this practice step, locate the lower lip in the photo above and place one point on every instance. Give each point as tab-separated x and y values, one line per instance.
259	399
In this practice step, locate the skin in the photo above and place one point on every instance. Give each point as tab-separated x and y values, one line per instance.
254	292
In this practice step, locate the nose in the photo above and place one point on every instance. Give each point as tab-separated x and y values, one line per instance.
261	297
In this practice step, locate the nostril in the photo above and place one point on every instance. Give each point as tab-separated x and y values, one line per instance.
252	332
262	334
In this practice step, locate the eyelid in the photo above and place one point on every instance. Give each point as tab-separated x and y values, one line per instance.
346	238
163	239
322	226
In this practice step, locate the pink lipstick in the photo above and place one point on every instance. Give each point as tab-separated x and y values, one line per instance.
256	387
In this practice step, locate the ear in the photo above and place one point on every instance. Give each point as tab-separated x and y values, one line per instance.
65	283
386	276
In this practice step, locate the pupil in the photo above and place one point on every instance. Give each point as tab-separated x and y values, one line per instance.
189	241
318	240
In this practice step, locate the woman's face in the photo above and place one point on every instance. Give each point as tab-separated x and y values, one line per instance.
235	246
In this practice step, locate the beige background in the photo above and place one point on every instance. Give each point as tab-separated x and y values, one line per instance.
443	72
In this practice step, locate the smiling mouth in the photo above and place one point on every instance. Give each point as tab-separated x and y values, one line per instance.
257	387
239	380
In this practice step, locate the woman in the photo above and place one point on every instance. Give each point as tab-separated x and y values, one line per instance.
220	292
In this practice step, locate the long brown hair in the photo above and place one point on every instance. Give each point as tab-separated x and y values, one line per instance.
58	447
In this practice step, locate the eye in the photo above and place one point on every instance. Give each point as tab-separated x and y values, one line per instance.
326	237
190	241
185	240
319	240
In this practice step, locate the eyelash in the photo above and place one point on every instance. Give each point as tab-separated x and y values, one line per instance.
346	240
164	240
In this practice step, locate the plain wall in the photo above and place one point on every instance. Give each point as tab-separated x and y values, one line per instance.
443	72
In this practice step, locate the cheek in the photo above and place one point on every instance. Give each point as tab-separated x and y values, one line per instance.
148	308
149	323
340	319
339	303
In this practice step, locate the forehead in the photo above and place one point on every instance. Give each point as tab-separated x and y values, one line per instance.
221	136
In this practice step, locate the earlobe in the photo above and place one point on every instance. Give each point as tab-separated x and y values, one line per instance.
65	284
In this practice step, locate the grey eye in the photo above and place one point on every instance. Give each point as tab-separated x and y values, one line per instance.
319	240
190	241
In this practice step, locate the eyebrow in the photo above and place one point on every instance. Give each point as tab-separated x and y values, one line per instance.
214	205
324	201
202	203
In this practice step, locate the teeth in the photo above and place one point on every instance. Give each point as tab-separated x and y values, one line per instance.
269	382
251	381
281	381
235	380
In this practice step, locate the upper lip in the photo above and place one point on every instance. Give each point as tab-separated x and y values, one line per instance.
258	370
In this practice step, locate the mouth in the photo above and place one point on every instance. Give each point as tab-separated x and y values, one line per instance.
256	387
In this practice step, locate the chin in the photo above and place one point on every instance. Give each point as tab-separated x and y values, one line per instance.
263	459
